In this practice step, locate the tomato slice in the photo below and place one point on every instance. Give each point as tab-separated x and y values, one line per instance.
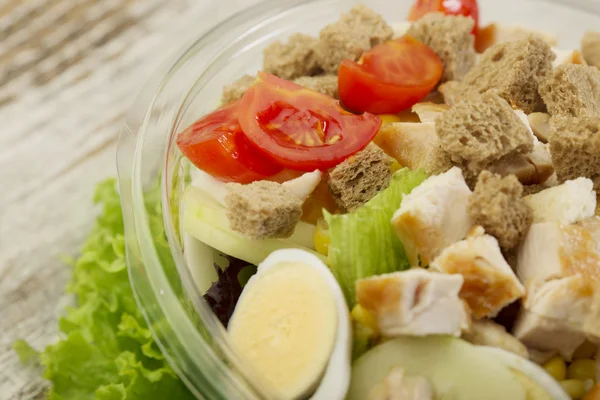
392	77
468	8
217	145
302	129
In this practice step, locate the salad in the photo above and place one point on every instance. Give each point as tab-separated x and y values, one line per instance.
406	211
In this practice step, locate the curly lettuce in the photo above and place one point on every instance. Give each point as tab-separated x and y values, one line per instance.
363	243
106	351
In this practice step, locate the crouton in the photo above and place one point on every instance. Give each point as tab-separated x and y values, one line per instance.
483	129
575	148
262	209
497	206
513	70
293	59
236	90
590	48
572	89
326	84
571	202
433	216
489	333
540	125
490	284
451	39
360	177
451	92
348	38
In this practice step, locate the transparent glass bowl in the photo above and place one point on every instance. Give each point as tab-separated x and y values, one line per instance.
152	178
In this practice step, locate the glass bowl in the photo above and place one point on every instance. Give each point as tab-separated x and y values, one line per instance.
152	176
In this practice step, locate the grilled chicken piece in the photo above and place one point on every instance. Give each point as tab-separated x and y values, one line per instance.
433	216
489	282
414	302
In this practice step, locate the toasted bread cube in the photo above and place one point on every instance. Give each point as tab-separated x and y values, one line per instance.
575	148
326	84
292	59
433	216
360	177
512	70
489	333
489	282
551	250
452	92
590	48
481	130
451	39
497	206
571	202
572	90
414	302
354	33
262	209
236	90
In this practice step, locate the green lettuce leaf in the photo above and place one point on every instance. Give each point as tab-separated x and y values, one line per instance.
363	243
107	351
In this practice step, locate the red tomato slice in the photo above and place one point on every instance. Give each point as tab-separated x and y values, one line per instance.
302	129
468	8
392	77
217	145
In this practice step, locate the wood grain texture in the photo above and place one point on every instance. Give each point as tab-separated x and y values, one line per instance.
69	70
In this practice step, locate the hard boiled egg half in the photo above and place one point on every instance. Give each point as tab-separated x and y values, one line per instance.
293	325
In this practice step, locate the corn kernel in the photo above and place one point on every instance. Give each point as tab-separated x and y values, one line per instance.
364	317
557	368
389	118
582	369
321	238
575	388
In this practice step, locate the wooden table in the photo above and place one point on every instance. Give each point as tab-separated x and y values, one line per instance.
69	71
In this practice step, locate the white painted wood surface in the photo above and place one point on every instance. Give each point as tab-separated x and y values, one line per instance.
69	70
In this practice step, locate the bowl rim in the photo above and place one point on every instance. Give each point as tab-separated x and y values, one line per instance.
137	231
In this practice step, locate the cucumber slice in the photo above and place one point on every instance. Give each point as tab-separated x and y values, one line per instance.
205	219
455	369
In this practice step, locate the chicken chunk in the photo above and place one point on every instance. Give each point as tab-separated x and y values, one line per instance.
433	216
489	282
489	333
560	314
414	302
397	386
571	202
428	112
551	250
